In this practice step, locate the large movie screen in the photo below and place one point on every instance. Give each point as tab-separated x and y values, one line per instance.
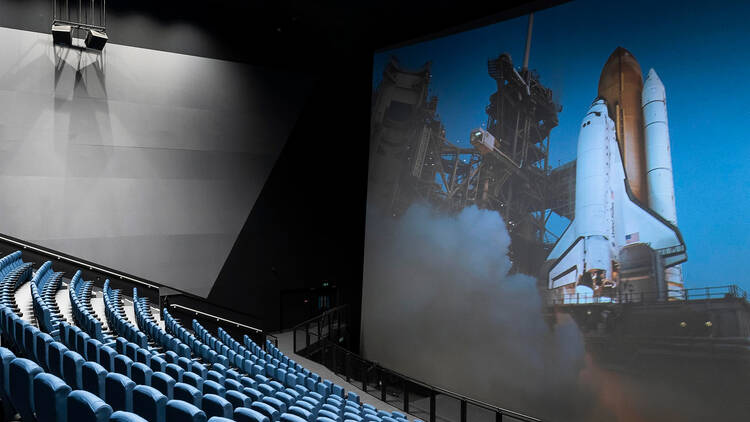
557	213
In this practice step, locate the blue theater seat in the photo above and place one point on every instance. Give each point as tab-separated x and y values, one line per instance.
107	357
141	374
93	378
302	412
118	391
325	419
164	383
180	411
21	373
253	393
232	384
289	417
238	399
220	419
92	349
266	409
157	364
55	352
86	407
199	369
121	416
174	371
212	387
50	398
243	414
329	414
123	364
42	342
6	356
193	379
72	364
276	403
215	376
188	393
81	339
149	403
214	405
143	356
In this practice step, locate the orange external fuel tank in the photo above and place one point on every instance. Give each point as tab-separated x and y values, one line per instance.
620	85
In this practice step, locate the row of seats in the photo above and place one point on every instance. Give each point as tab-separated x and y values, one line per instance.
14	272
41	396
116	319
44	287
148	324
218	377
79	292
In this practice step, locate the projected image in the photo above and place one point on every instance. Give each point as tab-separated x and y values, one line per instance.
523	245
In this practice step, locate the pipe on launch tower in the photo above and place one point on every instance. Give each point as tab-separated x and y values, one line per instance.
528	43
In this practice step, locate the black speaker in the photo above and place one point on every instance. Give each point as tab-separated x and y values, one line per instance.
62	34
96	40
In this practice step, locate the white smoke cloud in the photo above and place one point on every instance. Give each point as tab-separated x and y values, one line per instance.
440	305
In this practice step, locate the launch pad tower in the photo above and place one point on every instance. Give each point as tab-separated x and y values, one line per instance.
506	168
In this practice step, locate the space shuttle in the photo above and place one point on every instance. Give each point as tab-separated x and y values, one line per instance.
623	243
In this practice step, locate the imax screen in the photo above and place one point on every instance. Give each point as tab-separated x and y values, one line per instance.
560	229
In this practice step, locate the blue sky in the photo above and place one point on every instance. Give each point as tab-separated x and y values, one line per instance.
699	51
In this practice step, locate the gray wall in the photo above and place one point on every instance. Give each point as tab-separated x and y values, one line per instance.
144	161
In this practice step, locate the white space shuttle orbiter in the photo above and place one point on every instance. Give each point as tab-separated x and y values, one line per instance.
624	191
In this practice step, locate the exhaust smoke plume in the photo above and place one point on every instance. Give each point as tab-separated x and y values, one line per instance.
439	305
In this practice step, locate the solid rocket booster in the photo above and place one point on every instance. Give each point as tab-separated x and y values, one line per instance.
620	85
659	161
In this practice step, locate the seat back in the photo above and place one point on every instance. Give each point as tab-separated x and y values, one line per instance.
21	373
188	393
50	398
118	391
215	405
86	407
93	378
180	411
72	364
149	403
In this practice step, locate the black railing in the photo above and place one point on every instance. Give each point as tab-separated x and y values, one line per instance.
319	340
697	293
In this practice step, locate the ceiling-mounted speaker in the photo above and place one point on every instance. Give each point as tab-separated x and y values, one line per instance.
96	39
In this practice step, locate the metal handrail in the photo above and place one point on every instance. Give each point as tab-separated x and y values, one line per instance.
444	391
91	267
327	342
695	293
218	318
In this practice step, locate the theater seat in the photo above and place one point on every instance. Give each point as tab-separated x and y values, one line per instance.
86	407
149	403
157	364
21	373
179	411
238	399
118	391
266	409
42	342
141	374
193	379
220	419
188	393
289	417
215	405
93	378
122	365
50	398
212	387
72	364
107	357
121	416
243	414
164	383
55	352
302	412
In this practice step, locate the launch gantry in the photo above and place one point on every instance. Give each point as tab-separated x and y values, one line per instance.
506	168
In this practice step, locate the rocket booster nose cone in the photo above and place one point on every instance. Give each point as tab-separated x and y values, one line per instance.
599	106
653	88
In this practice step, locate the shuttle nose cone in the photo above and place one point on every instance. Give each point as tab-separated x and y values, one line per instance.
653	88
